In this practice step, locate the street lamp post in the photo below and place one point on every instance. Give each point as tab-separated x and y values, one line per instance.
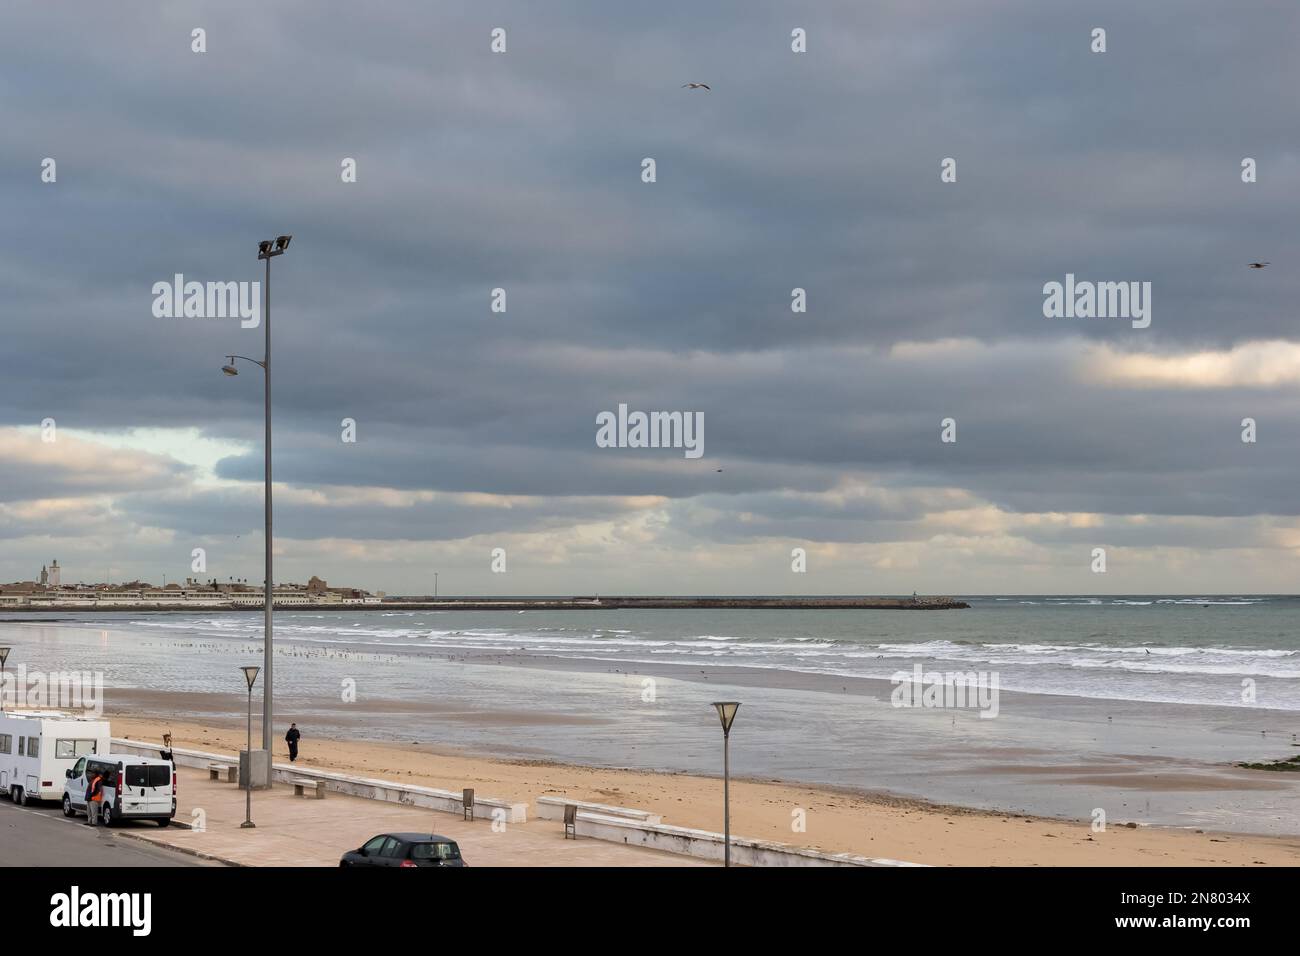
726	714
250	675
266	251
4	656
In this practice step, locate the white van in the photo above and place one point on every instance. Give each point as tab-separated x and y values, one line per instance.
37	747
135	788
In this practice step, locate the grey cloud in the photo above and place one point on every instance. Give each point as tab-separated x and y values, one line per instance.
818	171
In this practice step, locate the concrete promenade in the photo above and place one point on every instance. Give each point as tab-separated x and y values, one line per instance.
302	831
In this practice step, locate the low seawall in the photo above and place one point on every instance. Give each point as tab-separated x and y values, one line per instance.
706	845
367	788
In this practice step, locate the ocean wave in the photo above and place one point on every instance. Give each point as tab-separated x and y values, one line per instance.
1135	647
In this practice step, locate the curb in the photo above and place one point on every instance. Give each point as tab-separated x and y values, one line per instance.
179	849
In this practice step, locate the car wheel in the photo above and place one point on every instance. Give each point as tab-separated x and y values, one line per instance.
165	822
22	796
67	807
106	815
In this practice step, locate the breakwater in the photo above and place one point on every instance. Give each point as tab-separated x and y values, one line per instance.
593	603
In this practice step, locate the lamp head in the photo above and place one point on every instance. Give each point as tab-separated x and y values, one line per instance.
230	369
726	714
273	247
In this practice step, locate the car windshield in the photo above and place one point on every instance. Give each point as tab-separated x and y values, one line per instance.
148	776
435	851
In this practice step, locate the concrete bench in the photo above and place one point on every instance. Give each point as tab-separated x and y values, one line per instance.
552	808
218	770
301	785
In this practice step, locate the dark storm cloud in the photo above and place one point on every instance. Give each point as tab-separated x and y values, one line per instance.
1029	438
522	171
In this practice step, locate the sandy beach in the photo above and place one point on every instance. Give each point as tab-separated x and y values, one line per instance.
837	820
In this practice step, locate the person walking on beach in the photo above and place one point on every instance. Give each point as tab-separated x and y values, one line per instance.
292	738
94	798
166	752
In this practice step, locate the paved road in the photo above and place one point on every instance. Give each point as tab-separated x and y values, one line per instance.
41	836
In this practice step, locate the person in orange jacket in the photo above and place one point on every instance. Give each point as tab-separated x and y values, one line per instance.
94	798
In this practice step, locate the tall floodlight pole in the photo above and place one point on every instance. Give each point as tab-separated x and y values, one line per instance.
726	714
266	251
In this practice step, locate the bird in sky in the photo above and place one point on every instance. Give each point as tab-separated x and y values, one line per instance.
1258	265
697	86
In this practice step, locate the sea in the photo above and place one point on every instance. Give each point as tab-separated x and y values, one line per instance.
1097	691
1192	650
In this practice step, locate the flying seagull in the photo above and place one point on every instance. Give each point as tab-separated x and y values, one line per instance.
697	86
1258	265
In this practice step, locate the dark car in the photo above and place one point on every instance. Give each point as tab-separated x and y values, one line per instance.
405	849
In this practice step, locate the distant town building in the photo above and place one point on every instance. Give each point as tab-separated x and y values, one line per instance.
49	592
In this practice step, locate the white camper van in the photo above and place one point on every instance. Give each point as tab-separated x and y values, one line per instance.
135	788
38	747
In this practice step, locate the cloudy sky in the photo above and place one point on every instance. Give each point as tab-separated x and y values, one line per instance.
523	171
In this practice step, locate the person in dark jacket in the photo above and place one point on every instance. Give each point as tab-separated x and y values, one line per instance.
166	752
292	738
